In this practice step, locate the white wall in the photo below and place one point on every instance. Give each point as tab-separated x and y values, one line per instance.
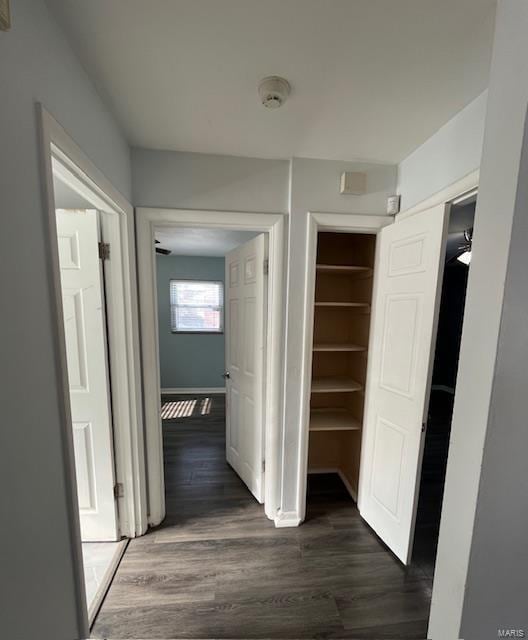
480	581
451	153
37	541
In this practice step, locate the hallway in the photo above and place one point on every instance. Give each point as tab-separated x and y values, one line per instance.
218	568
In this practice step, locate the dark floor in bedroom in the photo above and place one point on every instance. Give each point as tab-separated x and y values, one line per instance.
218	568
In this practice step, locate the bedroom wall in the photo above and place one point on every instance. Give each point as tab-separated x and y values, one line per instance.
38	585
188	360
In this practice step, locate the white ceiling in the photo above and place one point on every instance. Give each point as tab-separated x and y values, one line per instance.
183	241
371	79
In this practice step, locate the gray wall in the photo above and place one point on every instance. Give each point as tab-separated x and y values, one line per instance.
37	541
188	360
496	582
480	581
315	187
191	180
450	154
497	593
202	181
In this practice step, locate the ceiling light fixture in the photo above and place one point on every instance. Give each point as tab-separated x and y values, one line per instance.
273	91
465	256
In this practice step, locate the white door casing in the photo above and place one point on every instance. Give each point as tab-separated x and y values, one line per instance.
85	336
408	279
245	342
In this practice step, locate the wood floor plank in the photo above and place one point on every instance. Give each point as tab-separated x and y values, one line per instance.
381	605
218	568
273	618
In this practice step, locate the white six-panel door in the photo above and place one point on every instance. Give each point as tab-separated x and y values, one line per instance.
84	324
406	290
244	330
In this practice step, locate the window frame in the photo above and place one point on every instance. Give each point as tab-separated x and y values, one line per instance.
220	331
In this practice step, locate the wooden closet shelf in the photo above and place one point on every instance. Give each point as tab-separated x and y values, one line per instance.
343	346
335	385
349	305
347	269
333	420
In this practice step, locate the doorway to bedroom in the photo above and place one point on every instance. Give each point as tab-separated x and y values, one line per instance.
201	332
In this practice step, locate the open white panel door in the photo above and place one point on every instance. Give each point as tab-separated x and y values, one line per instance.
84	325
244	328
405	307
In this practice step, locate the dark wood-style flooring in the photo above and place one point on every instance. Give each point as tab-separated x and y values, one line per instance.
218	568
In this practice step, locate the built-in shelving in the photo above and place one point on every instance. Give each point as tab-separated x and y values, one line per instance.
346	269
357	305
339	384
342	307
333	420
338	346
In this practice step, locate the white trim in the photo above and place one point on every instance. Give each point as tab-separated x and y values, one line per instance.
82	176
339	222
347	484
271	223
187	390
466	186
106	581
64	396
287	519
122	315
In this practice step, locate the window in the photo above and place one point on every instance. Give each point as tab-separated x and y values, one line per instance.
196	306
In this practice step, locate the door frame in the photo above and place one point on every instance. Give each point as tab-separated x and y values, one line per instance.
61	155
274	225
317	221
451	194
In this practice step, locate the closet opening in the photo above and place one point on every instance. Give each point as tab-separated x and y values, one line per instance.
347	266
443	384
343	293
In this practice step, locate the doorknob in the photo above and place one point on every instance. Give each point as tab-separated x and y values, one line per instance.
226	375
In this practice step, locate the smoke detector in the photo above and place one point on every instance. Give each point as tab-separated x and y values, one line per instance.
273	92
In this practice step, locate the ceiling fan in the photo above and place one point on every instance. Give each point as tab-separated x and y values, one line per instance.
463	252
465	248
163	252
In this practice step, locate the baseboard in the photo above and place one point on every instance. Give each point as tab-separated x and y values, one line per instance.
287	519
348	486
107	581
187	390
344	480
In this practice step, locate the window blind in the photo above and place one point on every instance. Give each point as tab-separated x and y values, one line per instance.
196	306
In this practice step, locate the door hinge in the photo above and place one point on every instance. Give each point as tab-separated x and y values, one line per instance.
104	251
119	490
263	466
266	266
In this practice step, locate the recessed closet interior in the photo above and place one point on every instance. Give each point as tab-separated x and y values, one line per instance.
343	294
443	384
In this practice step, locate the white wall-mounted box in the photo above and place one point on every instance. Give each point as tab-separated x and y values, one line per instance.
353	183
